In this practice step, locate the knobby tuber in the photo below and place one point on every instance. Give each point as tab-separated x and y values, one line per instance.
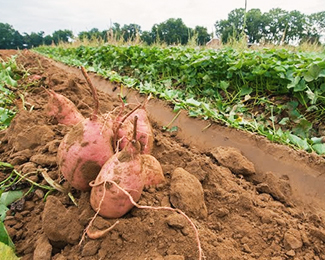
123	129
63	109
85	149
125	168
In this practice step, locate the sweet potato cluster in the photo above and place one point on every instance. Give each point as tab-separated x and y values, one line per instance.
103	149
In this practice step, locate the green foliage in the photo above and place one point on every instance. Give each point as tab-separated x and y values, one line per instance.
6	198
10	38
173	31
8	77
275	92
7	252
62	36
276	26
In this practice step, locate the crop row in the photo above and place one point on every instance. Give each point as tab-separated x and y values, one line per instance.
276	92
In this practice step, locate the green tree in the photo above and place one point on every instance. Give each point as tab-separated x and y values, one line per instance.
173	31
276	22
295	27
10	38
202	35
93	34
314	28
130	32
254	25
116	31
34	39
62	36
276	26
231	28
147	37
48	40
83	35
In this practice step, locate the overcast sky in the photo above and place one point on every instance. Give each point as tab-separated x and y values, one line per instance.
80	15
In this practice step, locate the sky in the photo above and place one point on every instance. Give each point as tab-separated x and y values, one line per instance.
28	16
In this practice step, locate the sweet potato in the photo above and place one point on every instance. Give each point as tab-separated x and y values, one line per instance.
84	150
144	131
63	109
125	168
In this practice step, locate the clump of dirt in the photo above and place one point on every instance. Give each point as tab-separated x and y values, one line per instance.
239	213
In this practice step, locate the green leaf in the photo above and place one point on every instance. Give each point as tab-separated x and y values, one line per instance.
322	73
3	212
224	85
173	129
312	96
245	91
192	102
294	82
319	148
301	143
301	86
303	127
9	197
317	140
312	73
5	78
5	239
284	121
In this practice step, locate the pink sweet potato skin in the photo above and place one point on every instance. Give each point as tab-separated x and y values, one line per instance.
124	168
84	150
63	109
152	171
144	131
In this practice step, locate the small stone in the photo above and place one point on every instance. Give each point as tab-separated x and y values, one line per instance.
39	193
176	221
59	223
186	193
292	239
246	248
34	178
221	212
165	202
291	253
43	249
90	248
234	160
320	234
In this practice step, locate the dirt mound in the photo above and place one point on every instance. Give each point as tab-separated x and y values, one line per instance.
240	211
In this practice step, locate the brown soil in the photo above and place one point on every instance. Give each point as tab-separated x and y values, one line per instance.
248	198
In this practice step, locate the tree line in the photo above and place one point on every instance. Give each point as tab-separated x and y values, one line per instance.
275	27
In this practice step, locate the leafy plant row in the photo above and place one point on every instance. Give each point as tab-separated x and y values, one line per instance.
275	92
8	77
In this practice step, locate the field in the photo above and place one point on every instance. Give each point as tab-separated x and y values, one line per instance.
248	197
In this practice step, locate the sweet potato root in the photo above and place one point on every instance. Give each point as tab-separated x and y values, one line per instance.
84	150
63	109
125	168
144	131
